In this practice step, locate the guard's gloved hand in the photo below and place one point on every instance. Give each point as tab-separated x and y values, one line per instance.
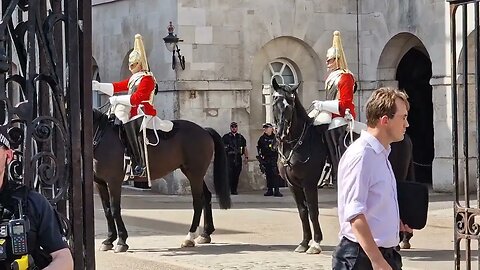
95	85
318	105
123	99
106	88
327	105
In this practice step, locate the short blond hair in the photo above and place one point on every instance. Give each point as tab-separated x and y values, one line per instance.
382	102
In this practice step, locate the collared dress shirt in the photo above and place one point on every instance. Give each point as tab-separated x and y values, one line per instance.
366	185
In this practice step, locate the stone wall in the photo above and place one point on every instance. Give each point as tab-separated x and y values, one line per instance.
228	44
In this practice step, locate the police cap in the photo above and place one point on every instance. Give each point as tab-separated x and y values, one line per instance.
267	125
233	124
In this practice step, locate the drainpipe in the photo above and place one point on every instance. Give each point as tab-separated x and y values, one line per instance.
359	87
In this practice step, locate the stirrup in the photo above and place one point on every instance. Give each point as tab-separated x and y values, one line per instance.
138	171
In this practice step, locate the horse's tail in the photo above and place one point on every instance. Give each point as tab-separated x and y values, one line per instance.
220	173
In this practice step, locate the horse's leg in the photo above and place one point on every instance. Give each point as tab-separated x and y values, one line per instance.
115	198
311	195
196	183
303	212
107	244
208	227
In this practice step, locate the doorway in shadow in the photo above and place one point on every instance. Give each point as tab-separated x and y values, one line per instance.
413	75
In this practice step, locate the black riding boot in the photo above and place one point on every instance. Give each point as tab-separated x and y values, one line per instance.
334	138
135	142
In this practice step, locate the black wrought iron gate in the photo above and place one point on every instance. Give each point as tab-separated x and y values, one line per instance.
465	84
45	86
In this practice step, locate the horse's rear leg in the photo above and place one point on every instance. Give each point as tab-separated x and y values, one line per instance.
198	198
107	244
311	195
303	212
208	227
115	198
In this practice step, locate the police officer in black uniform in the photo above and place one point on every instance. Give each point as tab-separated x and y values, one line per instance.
235	146
30	236
268	156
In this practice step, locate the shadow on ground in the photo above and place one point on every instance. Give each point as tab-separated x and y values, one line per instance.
222	248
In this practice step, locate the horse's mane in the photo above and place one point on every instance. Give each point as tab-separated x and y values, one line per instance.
98	115
302	113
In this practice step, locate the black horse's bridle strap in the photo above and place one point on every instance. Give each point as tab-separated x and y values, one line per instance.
99	131
299	142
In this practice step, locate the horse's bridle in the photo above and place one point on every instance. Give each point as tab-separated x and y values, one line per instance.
102	123
288	123
298	141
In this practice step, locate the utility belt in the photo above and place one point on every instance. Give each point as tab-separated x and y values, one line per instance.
270	159
13	245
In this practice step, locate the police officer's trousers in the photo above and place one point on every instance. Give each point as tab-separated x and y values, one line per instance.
234	170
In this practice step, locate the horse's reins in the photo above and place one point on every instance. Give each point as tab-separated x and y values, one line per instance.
100	130
299	140
286	160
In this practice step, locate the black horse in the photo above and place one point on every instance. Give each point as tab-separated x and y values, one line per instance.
188	147
302	155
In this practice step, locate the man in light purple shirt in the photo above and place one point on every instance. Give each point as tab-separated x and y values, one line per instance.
367	194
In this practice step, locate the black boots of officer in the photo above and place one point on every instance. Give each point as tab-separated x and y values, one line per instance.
136	146
273	192
272	181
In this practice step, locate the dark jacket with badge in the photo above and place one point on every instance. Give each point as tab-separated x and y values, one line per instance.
43	229
267	150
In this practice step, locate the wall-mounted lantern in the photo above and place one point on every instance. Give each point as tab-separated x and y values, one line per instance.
171	43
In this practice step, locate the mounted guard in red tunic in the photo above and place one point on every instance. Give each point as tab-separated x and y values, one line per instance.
135	109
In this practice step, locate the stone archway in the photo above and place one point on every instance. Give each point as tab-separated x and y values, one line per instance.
405	63
306	63
413	75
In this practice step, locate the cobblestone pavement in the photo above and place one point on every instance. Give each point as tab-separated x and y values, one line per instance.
257	233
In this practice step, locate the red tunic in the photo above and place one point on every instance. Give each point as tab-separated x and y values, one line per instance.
141	95
345	94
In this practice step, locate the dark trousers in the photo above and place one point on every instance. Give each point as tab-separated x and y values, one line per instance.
271	173
349	255
234	169
336	147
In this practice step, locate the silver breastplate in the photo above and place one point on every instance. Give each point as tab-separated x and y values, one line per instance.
331	85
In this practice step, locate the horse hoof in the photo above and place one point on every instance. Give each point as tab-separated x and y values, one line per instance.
203	239
314	250
106	247
188	243
121	248
301	249
405	245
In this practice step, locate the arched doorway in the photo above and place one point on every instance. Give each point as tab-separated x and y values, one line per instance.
282	71
413	75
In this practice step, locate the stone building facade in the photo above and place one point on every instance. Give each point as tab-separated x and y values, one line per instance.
233	49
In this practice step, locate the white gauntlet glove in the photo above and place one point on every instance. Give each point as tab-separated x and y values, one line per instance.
123	99
106	88
327	105
318	105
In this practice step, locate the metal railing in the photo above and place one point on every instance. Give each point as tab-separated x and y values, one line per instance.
45	86
466	226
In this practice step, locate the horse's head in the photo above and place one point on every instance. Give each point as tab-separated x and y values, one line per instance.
283	107
98	117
